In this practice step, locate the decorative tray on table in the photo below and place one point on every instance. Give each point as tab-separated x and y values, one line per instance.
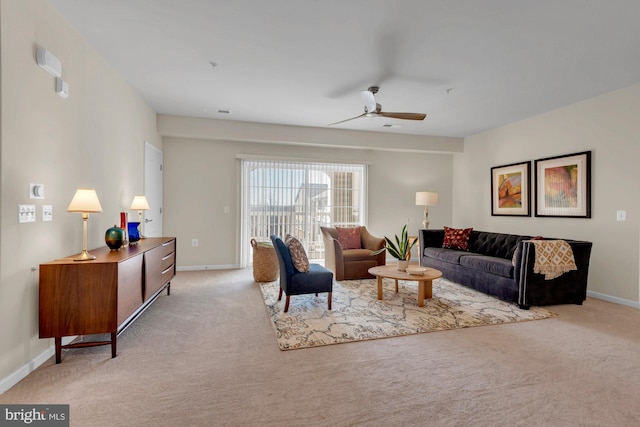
416	270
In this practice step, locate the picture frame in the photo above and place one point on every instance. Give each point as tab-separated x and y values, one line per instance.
511	189
563	186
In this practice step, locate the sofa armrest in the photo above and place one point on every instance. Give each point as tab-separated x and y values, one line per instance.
369	241
373	243
570	287
581	253
430	239
333	257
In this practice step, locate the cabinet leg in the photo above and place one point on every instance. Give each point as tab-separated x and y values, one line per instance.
169	289
114	338
58	342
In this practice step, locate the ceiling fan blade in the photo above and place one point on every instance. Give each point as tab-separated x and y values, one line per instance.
369	101
346	120
404	116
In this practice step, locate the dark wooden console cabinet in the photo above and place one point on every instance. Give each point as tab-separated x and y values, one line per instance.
105	295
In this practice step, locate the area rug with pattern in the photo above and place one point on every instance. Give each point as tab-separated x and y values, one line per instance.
358	315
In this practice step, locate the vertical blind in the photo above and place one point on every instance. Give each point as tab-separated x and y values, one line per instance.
292	197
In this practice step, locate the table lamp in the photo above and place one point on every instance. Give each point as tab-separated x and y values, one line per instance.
426	199
140	204
85	201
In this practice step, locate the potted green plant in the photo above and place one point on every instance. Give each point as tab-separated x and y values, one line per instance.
400	249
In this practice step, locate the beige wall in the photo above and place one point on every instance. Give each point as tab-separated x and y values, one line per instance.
608	126
201	177
95	138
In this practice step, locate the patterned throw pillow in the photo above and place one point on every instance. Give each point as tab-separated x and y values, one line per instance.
349	238
457	238
298	254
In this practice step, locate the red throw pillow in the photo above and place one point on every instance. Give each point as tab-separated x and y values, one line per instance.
457	238
349	238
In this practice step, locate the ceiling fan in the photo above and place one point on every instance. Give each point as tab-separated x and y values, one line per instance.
373	109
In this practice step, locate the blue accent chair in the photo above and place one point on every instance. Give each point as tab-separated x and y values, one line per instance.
317	280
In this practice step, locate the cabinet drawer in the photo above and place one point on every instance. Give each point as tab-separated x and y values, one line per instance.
168	260
168	247
168	274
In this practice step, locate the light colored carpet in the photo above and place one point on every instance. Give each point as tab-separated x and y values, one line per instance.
357	314
206	356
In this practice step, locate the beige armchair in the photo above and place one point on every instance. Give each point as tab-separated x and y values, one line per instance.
351	263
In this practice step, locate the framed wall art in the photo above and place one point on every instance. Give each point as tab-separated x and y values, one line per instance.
563	186
510	189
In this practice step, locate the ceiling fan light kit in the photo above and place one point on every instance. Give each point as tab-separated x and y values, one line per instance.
373	109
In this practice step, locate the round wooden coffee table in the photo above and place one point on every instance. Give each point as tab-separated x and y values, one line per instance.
391	272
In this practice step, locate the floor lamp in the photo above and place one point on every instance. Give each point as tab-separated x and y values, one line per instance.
426	199
85	201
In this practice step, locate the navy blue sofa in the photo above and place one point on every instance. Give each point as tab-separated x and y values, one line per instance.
488	267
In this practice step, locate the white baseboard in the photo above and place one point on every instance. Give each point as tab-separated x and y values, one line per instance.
207	267
30	366
616	300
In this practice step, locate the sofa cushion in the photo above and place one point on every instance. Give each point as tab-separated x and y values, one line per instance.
349	238
298	254
456	238
447	255
493	265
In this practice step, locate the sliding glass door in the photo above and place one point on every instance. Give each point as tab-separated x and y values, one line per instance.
287	197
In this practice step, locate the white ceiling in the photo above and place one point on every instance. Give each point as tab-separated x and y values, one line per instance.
470	65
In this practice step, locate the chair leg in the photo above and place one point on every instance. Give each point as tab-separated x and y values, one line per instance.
280	295
329	300
286	304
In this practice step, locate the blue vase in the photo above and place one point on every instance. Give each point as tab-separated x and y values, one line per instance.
134	233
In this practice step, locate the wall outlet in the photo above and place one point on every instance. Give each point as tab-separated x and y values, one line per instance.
47	213
194	242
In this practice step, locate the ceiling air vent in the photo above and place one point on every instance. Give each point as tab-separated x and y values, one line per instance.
216	110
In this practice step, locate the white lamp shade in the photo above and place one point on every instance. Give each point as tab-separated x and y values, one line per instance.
139	203
85	200
426	198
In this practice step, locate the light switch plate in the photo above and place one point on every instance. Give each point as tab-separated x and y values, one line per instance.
621	215
26	213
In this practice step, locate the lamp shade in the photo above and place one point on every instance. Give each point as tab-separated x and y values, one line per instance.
139	203
85	200
426	198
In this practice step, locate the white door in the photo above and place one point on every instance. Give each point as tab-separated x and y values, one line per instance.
152	218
